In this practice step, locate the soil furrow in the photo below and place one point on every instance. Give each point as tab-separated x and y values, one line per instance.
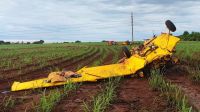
28	105
75	100
190	89
31	96
5	84
135	95
30	68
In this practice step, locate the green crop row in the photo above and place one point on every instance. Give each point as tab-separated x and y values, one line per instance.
50	98
47	102
8	102
103	99
44	63
194	73
13	59
189	52
173	94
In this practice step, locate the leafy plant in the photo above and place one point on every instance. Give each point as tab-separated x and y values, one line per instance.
102	100
69	86
47	102
8	102
195	74
173	94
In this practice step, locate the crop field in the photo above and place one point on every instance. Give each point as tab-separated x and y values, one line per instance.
176	90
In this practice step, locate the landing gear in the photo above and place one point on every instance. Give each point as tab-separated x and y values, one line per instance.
126	52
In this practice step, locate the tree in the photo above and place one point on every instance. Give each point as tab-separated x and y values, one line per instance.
104	41
1	42
4	43
78	41
39	42
7	43
194	36
186	33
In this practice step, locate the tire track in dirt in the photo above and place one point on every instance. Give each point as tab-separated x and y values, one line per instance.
135	95
31	95
180	77
85	93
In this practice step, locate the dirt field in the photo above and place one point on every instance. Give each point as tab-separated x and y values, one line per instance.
135	95
132	95
180	77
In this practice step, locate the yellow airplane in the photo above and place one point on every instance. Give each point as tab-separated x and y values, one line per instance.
155	52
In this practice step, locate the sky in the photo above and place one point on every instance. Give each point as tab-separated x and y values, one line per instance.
94	20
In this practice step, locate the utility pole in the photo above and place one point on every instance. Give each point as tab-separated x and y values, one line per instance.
132	24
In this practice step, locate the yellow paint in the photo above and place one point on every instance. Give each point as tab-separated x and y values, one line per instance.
164	42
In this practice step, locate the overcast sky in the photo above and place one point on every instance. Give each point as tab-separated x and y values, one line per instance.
93	20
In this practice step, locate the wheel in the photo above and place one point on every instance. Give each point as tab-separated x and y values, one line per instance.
170	25
126	52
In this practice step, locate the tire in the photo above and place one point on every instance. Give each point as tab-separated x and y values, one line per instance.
170	25
126	52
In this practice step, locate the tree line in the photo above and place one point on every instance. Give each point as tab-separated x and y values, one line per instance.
193	36
7	43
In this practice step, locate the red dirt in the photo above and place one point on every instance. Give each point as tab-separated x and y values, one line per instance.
67	64
33	95
108	59
135	95
180	77
74	101
28	69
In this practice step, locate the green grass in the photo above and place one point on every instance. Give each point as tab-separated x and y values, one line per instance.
103	53
17	56
187	48
194	73
103	99
25	58
8	102
173	94
189	51
117	50
47	102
